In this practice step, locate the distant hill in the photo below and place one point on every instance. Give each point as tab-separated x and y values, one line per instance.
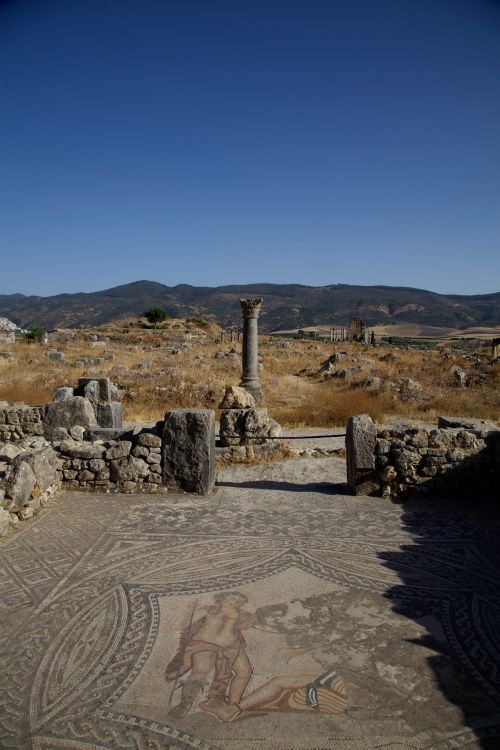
285	305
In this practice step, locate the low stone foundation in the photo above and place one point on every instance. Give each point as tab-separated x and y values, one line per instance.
404	460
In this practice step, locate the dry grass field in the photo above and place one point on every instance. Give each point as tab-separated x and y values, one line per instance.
176	366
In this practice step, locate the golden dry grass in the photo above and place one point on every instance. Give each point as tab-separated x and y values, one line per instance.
157	380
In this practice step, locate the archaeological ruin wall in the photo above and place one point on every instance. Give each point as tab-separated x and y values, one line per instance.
77	442
459	457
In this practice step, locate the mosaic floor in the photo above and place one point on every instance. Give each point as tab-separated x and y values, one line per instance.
279	614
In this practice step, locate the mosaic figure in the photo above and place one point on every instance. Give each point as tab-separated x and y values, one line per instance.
211	641
324	694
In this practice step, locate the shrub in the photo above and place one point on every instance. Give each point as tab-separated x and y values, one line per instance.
155	315
36	334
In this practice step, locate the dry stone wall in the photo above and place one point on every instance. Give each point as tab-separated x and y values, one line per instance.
457	458
132	464
18	422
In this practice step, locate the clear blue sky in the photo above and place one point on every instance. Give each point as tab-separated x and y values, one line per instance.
311	141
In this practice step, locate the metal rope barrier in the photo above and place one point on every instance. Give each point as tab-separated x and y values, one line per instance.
282	437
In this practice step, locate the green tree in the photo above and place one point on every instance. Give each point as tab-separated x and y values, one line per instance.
35	334
155	315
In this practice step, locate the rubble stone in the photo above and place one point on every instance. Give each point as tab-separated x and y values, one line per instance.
236	397
247	426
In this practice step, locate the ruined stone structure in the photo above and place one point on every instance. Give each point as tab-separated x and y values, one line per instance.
18	421
357	331
92	403
250	375
458	458
77	442
242	422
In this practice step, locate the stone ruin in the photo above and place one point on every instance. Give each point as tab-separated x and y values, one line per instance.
242	422
78	442
357	331
93	403
460	457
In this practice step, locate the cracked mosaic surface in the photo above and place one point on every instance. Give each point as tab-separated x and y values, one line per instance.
280	613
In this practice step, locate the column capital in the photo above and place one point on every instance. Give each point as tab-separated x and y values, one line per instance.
251	307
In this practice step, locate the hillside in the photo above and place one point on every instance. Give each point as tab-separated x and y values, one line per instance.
285	305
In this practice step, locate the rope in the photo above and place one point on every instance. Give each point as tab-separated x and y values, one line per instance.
283	437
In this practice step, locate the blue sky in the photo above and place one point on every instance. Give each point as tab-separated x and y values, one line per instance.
311	141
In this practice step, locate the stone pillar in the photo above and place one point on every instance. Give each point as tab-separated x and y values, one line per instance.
250	371
188	450
360	444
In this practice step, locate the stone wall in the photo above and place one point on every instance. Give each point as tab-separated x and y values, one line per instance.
178	454
18	422
131	464
456	458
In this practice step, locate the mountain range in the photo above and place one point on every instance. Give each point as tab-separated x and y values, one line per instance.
285	305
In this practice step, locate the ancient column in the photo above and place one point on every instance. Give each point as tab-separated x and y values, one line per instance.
250	375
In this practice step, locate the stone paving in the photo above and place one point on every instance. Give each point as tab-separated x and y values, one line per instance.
280	613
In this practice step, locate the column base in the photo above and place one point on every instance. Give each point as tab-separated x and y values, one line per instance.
253	387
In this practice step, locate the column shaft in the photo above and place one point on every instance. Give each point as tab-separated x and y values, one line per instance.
250	375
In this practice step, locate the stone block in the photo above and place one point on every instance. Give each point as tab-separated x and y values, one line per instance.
109	414
100	388
67	413
64	392
232	426
85	476
119	450
189	450
91	390
107	433
43	463
56	356
81	450
149	439
361	437
9	452
19	484
466	423
247	426
128	469
258	424
237	398
77	432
